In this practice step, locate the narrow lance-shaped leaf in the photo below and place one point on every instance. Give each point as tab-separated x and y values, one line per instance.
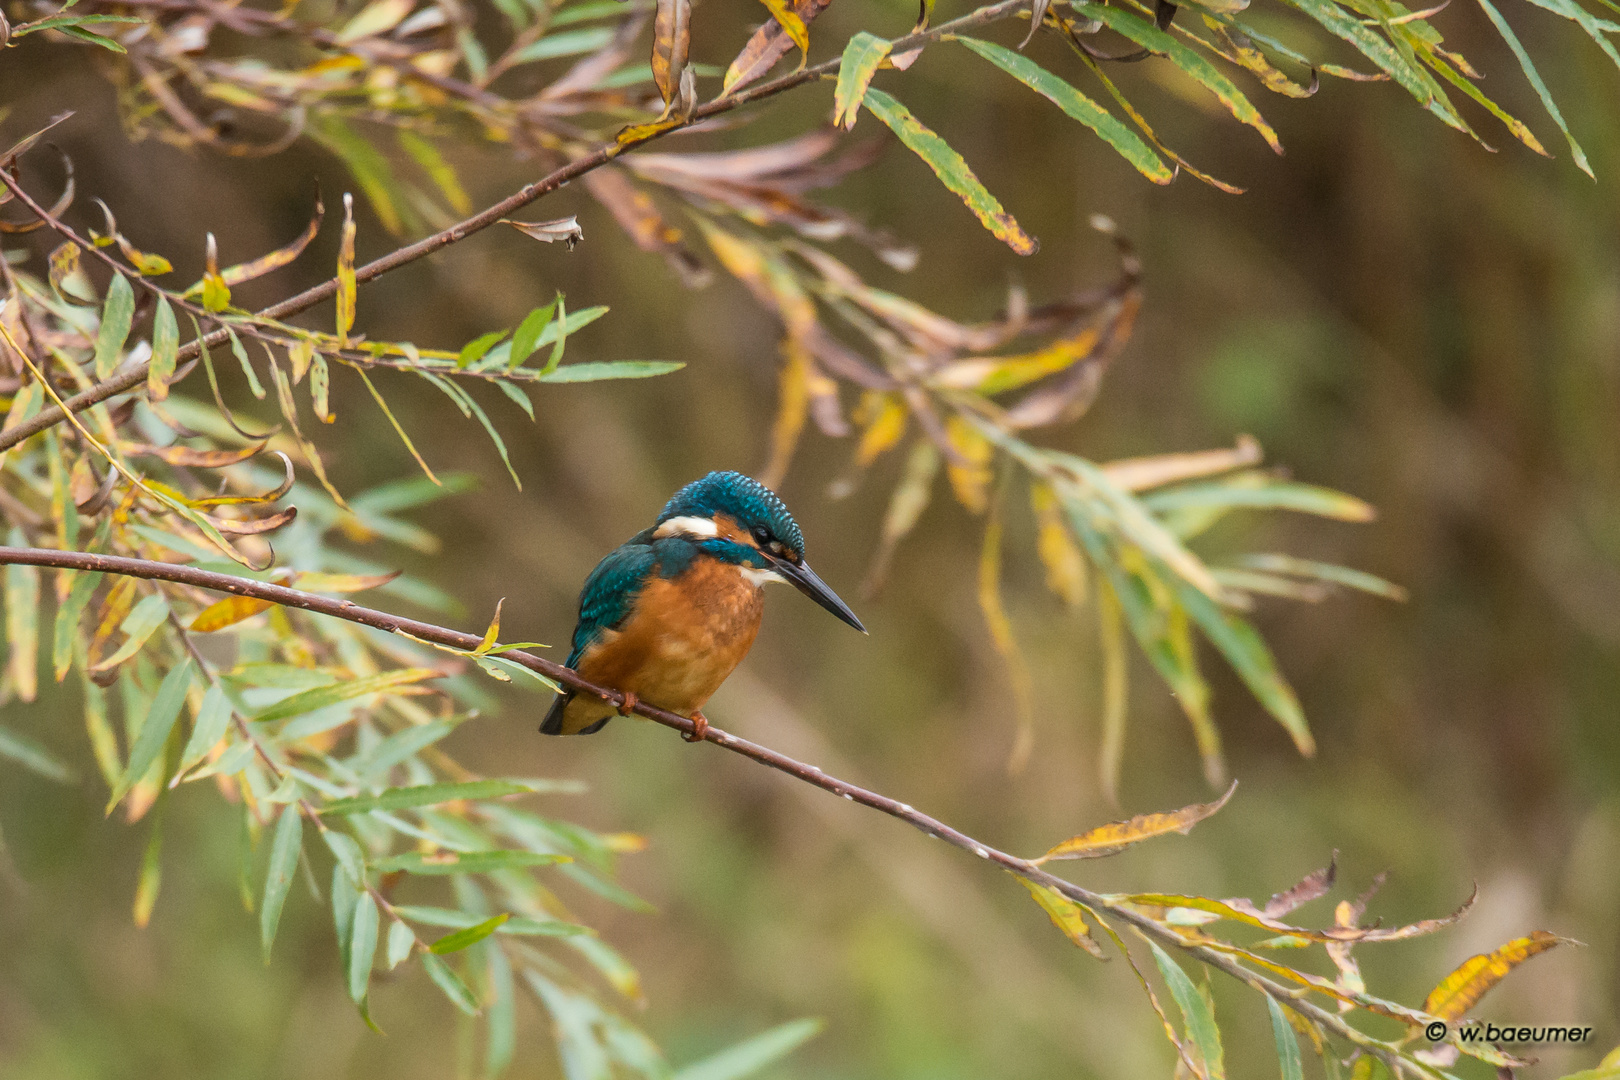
1116	837
750	1056
792	25
213	717
472	935
526	337
1001	635
284	849
445	978
1079	107
347	284
165	344
862	56
1534	76
1195	1011
146	888
465	862
345	899
400	942
1459	991
672	39
32	756
398	430
951	169
403	798
22	622
116	315
139	625
1116	689
363	946
501	1015
1287	1045
321	696
1065	915
154	731
228	612
562	337
597	370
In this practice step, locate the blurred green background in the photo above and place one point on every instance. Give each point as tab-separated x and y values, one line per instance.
1389	309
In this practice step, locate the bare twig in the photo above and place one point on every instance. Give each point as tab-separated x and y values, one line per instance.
132	377
1116	906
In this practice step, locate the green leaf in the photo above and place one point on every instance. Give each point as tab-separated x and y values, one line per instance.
862	56
1321	571
345	898
1373	47
525	339
518	395
350	858
501	1045
568	43
751	1055
1534	76
610	369
448	981
116	315
137	626
252	376
1195	1011
474	350
465	862
32	756
363	947
146	887
1145	34
428	795
400	937
165	343
561	336
460	920
951	169
155	729
402	744
1079	107
213	717
67	620
1595	28
440	171
93	39
59	21
323	696
1287	1045
1285	495
472	935
1251	658
284	849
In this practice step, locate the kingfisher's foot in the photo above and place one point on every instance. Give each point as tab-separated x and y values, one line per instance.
700	728
628	705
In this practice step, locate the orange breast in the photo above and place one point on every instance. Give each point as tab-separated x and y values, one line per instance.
682	639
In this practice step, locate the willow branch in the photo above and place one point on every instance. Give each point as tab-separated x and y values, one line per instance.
131	377
810	774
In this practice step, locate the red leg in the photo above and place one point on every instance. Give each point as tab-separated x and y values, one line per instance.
629	703
700	728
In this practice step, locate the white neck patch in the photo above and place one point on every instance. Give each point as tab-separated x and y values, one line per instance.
689	526
758	578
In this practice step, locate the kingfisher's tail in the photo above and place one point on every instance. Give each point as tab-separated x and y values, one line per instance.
553	723
589	716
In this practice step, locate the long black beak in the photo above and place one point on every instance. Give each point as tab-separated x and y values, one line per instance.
805	580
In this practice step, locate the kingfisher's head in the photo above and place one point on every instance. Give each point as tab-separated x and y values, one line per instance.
738	519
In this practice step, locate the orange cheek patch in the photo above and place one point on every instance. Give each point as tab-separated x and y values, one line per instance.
730	530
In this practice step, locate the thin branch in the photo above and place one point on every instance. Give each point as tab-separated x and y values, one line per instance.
132	377
810	774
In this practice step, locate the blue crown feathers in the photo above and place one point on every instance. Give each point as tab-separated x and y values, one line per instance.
742	498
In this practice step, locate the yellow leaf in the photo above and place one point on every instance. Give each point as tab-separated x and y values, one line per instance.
342	583
1117	836
228	612
793	406
791	23
888	424
493	633
345	273
1458	991
1066	915
1065	564
971	481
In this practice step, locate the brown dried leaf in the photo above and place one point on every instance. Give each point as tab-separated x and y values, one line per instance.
1314	885
768	45
275	260
201	459
565	229
1140	474
672	40
1115	837
639	216
255	526
312	581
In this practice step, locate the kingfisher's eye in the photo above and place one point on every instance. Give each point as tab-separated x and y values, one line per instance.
762	535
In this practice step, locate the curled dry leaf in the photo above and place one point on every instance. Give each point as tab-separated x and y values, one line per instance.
565	229
256	526
1115	837
672	41
201	459
1314	885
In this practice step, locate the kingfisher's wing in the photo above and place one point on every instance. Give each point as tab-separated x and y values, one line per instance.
610	592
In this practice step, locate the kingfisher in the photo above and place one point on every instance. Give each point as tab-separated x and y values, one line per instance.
666	617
